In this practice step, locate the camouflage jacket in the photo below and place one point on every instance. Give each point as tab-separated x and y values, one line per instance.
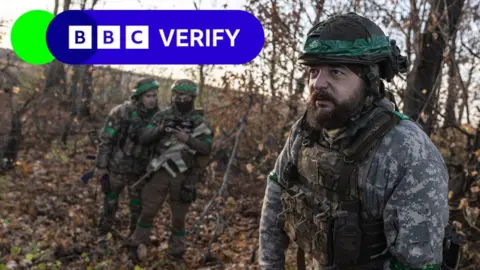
155	134
119	149
404	182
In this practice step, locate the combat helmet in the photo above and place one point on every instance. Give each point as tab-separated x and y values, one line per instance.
351	39
185	86
144	85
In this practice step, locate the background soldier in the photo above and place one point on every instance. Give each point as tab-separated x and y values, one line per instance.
357	185
121	156
183	141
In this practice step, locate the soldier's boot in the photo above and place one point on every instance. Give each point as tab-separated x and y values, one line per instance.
137	241
132	253
176	246
177	240
110	206
106	224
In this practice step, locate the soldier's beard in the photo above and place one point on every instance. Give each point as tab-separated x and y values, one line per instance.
319	118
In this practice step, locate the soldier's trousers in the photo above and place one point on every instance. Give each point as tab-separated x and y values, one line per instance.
153	196
110	203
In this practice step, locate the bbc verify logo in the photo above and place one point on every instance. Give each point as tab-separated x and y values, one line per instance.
108	37
153	37
136	37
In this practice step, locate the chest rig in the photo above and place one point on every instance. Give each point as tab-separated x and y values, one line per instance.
178	157
321	202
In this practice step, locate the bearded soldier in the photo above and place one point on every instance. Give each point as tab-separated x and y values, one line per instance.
357	185
182	141
121	156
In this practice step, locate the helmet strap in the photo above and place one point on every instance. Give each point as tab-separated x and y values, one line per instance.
371	76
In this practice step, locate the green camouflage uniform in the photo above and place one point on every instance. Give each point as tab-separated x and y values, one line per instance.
126	159
371	196
177	175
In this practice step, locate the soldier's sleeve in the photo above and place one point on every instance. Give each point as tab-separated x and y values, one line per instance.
416	212
150	133
108	137
202	143
273	239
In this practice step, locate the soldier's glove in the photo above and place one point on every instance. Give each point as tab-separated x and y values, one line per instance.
188	192
105	182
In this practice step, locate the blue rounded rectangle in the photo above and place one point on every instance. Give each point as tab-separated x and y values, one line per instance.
155	37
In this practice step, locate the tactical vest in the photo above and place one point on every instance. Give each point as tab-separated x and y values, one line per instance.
178	156
133	152
321	203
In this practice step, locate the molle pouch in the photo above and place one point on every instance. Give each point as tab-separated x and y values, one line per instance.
297	226
347	238
188	192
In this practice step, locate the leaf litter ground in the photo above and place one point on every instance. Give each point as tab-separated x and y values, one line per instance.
48	220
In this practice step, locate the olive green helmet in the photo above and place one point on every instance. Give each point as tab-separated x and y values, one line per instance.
185	86
144	85
351	39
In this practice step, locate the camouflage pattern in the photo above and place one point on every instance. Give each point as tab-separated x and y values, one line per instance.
404	182
154	194
174	167
125	164
132	157
199	144
117	183
174	152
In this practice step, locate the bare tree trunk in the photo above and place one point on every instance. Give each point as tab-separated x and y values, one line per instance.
201	83
55	77
76	89
273	59
418	96
452	95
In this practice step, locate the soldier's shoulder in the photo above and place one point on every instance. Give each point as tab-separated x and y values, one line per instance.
120	109
198	116
296	128
407	140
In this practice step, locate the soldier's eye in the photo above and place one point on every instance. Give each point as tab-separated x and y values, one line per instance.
313	72
337	72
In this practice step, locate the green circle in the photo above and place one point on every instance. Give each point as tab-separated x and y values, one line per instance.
29	37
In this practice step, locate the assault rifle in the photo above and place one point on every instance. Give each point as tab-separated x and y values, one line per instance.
93	137
172	153
171	124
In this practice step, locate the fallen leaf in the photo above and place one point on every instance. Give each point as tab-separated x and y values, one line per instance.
28	257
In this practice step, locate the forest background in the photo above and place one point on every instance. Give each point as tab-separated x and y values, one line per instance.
47	216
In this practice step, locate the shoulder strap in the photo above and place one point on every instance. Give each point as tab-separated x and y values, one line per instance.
367	138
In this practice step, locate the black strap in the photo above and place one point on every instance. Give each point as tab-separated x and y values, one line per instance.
344	181
365	141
